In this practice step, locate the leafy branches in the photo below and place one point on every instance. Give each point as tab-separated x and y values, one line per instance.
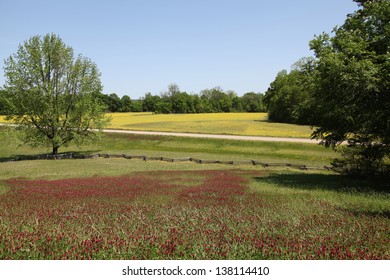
352	88
50	95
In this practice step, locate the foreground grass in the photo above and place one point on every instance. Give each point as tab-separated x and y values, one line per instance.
206	214
134	209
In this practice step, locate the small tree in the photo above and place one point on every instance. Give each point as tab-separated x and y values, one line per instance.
51	96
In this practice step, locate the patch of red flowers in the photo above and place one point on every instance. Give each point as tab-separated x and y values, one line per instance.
177	215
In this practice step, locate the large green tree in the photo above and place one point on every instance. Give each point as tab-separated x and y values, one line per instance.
352	88
51	95
288	98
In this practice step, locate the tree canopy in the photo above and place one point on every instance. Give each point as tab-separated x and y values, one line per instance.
344	90
352	86
51	95
288	99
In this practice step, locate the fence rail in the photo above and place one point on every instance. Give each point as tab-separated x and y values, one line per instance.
166	159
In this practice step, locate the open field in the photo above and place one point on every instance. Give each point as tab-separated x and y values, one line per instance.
248	124
135	209
251	124
176	147
204	214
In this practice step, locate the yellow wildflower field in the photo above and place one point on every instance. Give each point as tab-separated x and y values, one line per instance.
250	124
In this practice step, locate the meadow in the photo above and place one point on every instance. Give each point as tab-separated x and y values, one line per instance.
207	214
250	124
116	208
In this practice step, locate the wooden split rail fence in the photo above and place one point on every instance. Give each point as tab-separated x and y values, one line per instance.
166	159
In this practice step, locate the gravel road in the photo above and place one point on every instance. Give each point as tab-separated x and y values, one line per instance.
213	136
216	136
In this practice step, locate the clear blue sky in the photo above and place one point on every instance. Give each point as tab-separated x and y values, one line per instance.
144	45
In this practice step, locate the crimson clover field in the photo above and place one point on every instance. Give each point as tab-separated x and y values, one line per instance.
206	214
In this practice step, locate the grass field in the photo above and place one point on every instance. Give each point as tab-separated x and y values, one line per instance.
135	209
176	147
188	214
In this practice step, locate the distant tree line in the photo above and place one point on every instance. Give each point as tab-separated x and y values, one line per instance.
114	103
174	101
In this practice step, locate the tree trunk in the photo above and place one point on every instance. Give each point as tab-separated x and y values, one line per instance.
55	151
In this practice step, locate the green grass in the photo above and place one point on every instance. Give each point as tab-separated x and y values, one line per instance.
162	146
351	194
204	214
3	188
176	147
119	208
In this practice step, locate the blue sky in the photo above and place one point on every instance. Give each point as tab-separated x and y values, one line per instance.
143	46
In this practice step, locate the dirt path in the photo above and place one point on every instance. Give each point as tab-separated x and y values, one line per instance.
216	136
212	136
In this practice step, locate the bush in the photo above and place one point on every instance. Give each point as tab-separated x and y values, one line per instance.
363	161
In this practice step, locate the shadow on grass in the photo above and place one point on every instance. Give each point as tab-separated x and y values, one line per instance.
331	182
264	121
66	155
